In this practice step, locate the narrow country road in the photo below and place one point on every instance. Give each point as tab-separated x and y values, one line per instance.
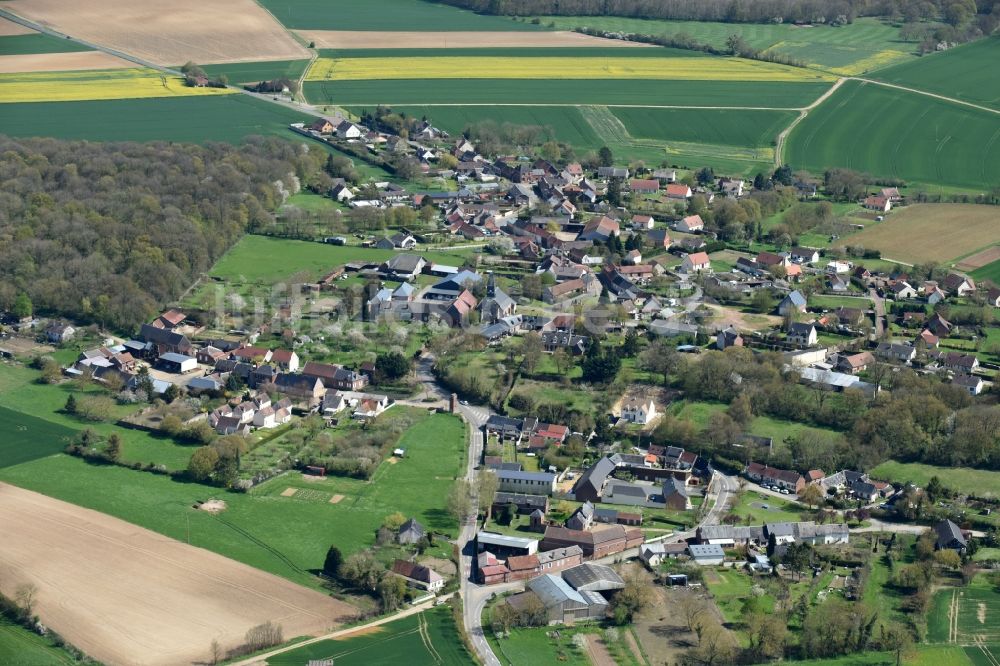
880	321
779	146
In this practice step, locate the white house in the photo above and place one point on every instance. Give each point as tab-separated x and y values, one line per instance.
639	411
348	130
696	262
707	554
690	224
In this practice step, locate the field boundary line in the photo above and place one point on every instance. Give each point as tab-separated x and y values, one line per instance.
926	94
574	106
779	146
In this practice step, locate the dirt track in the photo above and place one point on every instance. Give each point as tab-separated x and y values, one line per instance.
352	39
169	33
126	595
9	28
60	62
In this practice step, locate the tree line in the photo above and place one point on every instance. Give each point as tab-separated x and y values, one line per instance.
730	11
107	232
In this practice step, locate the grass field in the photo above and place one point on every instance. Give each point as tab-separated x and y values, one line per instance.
134	83
288	257
853	49
925	655
753	504
966	72
383	15
889	132
39	408
980	482
913	234
20	647
252	72
27	437
282	535
228	118
783	95
423	639
37	43
558	67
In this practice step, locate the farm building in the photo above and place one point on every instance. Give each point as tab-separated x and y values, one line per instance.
176	363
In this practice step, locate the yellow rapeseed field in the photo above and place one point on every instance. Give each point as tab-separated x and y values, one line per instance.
94	85
653	68
876	61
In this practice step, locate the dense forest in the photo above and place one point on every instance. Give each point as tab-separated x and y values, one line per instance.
739	11
107	232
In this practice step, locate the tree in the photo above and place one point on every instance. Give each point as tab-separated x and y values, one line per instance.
114	447
263	636
762	301
334	558
362	570
531	352
767	633
487	484
811	495
202	463
391	592
459	501
23	307
693	610
216	652
897	639
391	366
948	558
631	599
605	157
503	618
70	406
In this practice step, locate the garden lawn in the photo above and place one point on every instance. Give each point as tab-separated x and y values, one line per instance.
266	260
925	655
979	482
533	646
413	15
892	133
283	535
429	638
573	396
752	504
228	118
966	72
828	302
699	412
729	587
27	437
20	647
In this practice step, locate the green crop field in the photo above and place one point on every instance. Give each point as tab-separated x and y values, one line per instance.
20	647
966	72
892	133
383	15
516	52
228	118
990	271
776	94
980	482
37	43
282	535
966	616
923	655
726	127
428	638
27	437
288	257
253	72
864	45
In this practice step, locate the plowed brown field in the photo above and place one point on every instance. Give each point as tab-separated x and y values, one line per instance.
126	595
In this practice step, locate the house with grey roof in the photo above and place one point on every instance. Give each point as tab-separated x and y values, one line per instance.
675	494
707	554
532	483
949	537
793	302
590	577
590	486
562	603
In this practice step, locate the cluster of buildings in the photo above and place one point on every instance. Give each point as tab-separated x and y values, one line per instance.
845	483
581	592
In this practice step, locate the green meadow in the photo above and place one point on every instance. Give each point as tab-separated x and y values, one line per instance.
865	44
286	536
288	257
893	133
990	271
736	127
20	647
980	482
